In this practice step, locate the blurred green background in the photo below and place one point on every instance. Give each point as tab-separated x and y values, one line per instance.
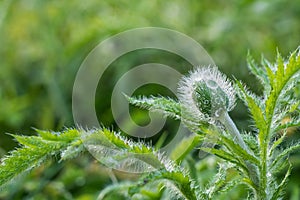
42	44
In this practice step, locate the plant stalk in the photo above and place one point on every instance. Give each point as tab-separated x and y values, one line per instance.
232	129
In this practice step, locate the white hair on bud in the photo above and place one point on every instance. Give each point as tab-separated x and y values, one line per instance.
187	86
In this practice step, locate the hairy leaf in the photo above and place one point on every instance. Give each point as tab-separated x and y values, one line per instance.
166	106
35	151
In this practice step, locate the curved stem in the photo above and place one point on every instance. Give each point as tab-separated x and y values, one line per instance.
232	129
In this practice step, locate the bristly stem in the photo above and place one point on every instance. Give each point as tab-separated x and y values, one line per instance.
230	126
232	129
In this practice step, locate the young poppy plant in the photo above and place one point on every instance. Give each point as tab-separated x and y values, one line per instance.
207	96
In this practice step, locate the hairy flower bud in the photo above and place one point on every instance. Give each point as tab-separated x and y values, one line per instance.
206	93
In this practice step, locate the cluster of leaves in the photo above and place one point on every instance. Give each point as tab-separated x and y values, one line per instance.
36	150
255	165
264	156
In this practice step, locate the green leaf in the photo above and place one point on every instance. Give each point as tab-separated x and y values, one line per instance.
284	154
225	156
269	70
184	186
119	152
185	146
251	142
238	152
259	72
283	75
73	150
254	108
276	144
279	191
35	151
293	123
66	135
166	106
218	181
120	188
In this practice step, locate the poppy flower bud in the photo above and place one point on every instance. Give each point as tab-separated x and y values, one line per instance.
206	93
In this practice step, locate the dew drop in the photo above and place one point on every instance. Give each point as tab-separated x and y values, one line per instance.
219	112
212	84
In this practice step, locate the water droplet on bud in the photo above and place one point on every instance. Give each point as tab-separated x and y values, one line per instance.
219	112
211	84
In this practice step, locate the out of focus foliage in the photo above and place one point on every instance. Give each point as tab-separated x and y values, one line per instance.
42	44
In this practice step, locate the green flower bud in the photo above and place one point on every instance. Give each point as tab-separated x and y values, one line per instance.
206	93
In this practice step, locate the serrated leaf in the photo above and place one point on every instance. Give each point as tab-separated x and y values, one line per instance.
281	78
259	72
280	188
276	144
118	152
237	150
255	110
66	135
225	156
33	153
166	106
280	69
270	73
182	183
73	150
285	153
29	141
294	123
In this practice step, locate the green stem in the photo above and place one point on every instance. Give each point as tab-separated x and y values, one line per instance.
232	129
263	172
